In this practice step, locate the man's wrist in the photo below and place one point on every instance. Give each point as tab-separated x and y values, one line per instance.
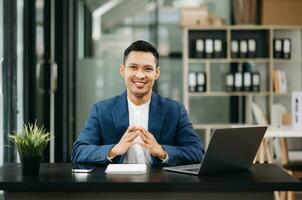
163	154
111	153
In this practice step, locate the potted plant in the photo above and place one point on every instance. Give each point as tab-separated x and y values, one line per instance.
30	143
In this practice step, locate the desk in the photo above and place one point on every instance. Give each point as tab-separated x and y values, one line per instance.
285	131
57	182
280	133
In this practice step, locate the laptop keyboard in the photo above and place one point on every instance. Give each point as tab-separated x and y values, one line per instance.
192	168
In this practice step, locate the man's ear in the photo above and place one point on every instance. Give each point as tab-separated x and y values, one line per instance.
122	70
157	71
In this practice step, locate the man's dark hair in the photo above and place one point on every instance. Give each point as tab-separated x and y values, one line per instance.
144	46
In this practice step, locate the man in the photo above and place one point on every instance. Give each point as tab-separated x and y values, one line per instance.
138	126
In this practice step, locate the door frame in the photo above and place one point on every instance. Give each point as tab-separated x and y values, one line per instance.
9	77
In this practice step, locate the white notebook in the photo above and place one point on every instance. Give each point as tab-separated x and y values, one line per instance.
126	169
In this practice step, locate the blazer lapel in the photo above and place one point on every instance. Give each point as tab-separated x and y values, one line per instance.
156	116
120	116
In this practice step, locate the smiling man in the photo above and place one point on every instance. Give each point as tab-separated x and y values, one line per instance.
138	126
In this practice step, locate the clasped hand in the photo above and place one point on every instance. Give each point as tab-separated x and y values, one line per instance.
147	140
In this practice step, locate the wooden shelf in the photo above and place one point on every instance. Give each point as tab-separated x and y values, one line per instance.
286	61
246	27
281	60
198	94
281	94
227	60
264	63
204	60
256	60
211	126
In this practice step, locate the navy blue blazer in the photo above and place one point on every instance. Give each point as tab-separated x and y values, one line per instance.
109	119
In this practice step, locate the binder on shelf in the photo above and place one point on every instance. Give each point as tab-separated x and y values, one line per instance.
276	81
234	49
277	48
258	114
277	114
247	81
209	48
252	48
256	81
238	81
283	85
297	110
243	49
287	119
218	48
201	82
279	81
199	48
286	48
229	82
192	82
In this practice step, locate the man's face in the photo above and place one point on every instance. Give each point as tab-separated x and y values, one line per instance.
139	72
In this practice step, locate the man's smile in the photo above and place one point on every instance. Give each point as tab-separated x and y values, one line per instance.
139	83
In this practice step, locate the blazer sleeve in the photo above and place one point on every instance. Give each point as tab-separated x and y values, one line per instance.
188	148
89	146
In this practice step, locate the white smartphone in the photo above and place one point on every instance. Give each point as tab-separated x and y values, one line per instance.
82	168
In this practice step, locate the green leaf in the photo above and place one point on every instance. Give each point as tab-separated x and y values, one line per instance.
31	141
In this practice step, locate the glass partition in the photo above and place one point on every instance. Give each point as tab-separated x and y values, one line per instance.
20	50
94	77
11	87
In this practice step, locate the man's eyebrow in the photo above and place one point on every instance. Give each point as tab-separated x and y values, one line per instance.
148	66
135	64
132	64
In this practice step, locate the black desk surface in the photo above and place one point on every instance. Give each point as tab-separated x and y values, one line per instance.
58	177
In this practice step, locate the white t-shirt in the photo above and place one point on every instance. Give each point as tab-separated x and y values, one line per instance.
138	115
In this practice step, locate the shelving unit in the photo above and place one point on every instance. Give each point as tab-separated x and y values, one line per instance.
221	93
199	104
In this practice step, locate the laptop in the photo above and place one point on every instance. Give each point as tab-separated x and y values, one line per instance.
229	150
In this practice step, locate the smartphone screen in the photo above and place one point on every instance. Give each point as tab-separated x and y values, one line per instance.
82	168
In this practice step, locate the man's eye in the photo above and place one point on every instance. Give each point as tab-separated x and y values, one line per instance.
132	67
149	69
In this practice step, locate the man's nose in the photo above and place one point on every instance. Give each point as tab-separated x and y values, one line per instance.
140	74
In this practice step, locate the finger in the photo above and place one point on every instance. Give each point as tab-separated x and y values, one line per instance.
130	131
139	127
142	129
133	136
132	128
146	133
127	132
144	138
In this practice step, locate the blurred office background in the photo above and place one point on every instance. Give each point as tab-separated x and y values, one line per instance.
58	57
